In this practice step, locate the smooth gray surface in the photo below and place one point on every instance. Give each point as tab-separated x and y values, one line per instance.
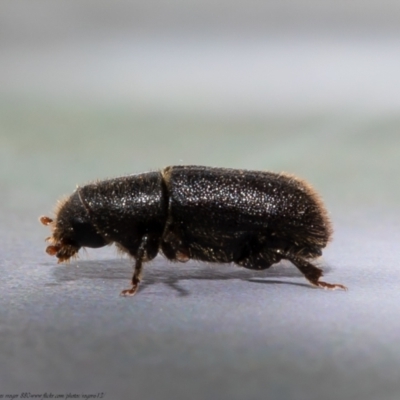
93	91
200	331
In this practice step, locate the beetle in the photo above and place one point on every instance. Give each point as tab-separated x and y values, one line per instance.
250	218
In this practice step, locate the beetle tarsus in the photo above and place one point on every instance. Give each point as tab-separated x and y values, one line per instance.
329	286
313	273
130	292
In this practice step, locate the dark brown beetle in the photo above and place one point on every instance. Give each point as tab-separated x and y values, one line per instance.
251	218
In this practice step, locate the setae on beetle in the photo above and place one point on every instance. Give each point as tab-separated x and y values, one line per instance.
251	218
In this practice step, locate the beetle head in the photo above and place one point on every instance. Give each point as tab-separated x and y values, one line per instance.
71	230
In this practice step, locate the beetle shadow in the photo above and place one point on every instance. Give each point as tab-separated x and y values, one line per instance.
171	274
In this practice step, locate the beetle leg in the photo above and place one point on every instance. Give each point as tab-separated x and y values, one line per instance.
175	253
182	255
137	273
313	273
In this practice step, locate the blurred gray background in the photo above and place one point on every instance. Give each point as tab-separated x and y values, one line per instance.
95	89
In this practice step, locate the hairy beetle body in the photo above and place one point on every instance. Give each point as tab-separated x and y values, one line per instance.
251	218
